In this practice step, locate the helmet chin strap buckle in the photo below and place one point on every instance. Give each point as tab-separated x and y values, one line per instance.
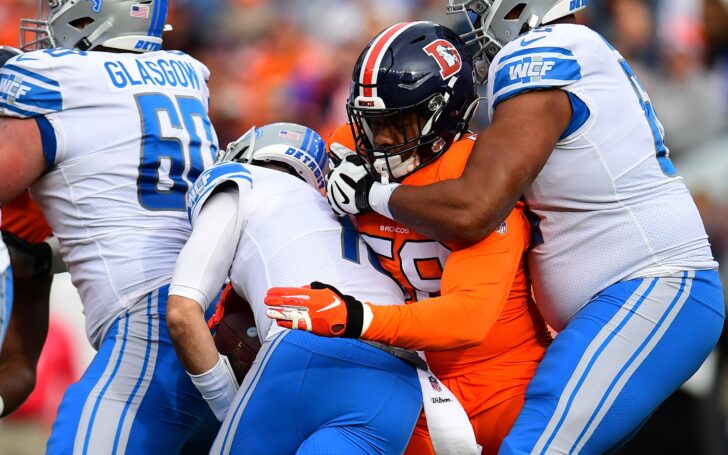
86	42
83	44
534	21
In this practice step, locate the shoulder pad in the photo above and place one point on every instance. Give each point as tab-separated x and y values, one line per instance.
27	85
211	179
542	58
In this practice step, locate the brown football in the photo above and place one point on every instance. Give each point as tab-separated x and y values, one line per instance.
237	337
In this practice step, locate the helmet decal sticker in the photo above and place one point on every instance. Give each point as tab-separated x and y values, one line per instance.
96	5
446	56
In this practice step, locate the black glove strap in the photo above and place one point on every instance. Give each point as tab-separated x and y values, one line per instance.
361	194
354	317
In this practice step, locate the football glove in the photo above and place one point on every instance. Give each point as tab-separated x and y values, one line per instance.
348	184
29	259
319	308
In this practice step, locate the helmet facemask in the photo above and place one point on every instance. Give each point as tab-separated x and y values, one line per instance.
494	23
478	14
397	141
35	33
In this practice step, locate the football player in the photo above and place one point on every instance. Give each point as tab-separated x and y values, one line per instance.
110	131
622	267
412	96
265	223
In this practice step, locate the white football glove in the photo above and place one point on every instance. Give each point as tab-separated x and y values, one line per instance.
349	183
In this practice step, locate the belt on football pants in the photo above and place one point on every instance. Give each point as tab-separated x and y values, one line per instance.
405	354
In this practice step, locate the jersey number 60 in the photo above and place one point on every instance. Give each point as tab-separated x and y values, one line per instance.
177	145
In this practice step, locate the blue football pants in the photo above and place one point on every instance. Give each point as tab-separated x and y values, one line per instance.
135	397
619	357
312	395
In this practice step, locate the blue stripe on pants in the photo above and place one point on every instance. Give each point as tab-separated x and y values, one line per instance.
623	354
135	397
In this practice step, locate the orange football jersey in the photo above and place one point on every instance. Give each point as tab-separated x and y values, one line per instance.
474	313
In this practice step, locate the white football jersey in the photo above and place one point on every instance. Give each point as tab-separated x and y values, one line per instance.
124	136
609	204
290	237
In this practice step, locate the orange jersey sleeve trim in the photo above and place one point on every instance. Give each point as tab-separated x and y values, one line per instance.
475	286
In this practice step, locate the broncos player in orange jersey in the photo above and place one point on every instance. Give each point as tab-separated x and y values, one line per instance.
412	96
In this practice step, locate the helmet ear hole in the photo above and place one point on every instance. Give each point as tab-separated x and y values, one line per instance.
81	23
515	12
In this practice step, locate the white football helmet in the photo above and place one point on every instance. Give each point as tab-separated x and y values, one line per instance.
128	25
490	30
296	147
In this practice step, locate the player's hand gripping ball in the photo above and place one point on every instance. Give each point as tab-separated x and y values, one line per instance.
236	335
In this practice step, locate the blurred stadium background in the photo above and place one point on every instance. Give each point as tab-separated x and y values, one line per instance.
288	60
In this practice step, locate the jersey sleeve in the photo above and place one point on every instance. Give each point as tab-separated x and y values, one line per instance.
29	86
475	286
214	177
541	59
204	262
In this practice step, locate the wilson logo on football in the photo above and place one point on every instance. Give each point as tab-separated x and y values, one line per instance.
446	56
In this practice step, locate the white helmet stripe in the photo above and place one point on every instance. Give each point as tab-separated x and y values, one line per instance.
373	58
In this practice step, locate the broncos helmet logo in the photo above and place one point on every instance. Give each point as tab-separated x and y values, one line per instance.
447	57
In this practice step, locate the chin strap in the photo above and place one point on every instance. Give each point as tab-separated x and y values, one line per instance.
87	42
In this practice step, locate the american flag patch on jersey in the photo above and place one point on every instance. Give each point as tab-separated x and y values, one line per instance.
140	11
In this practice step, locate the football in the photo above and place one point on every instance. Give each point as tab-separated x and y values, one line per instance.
237	337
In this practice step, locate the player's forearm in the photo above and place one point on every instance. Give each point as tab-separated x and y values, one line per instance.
24	342
437	324
190	336
450	210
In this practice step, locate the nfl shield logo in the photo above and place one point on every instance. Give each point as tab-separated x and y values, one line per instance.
435	383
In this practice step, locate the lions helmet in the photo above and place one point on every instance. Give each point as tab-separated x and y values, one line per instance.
413	93
296	147
492	25
127	25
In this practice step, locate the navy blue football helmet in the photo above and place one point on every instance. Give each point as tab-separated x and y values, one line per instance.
413	93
